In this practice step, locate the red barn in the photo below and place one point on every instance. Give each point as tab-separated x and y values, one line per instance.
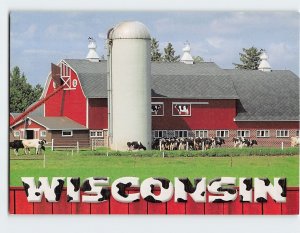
188	100
217	102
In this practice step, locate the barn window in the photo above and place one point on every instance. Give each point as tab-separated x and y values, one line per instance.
67	133
160	133
157	108
282	133
181	133
201	133
243	133
43	133
222	133
181	109
96	133
16	133
262	133
74	83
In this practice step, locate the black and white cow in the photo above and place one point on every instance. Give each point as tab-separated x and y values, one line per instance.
155	109
34	143
238	142
16	145
135	145
219	141
249	142
182	109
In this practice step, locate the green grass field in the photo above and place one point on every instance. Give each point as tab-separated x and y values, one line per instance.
96	163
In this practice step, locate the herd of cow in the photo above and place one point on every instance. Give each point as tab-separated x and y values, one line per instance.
173	143
27	144
191	143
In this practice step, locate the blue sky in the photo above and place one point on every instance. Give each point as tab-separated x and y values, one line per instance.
38	38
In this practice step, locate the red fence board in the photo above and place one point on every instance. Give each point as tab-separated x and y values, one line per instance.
22	206
252	208
157	208
19	205
42	207
235	207
271	207
140	207
192	207
118	207
100	208
213	208
62	206
292	203
11	201
175	207
81	208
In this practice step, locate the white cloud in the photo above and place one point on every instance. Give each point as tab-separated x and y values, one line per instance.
216	42
102	35
41	52
30	31
281	54
63	31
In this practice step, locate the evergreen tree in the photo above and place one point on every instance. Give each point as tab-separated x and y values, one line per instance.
169	54
198	59
155	54
21	93
250	59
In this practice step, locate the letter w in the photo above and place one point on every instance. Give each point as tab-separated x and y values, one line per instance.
52	193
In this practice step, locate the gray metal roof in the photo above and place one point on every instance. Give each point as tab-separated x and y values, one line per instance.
260	95
15	114
266	96
58	123
38	111
172	80
92	76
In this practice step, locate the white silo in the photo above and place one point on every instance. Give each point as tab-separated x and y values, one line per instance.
129	85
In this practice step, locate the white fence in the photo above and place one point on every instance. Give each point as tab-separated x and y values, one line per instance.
96	143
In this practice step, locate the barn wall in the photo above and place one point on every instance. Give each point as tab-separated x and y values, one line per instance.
68	103
81	136
217	114
98	113
34	126
267	124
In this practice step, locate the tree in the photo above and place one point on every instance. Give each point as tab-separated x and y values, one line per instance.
155	54
169	54
250	59
198	59
21	93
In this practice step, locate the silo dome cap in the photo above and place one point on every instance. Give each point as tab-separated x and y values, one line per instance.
129	30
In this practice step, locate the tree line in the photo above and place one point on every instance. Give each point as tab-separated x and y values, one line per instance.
21	93
168	53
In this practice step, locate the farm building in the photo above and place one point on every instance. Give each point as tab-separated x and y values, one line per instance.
187	100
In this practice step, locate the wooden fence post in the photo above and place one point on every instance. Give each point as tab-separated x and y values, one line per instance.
52	145
77	146
160	145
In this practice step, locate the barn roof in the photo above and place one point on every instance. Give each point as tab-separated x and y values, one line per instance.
15	114
57	123
266	96
172	80
270	96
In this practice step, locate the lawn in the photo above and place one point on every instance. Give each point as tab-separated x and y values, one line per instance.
87	163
